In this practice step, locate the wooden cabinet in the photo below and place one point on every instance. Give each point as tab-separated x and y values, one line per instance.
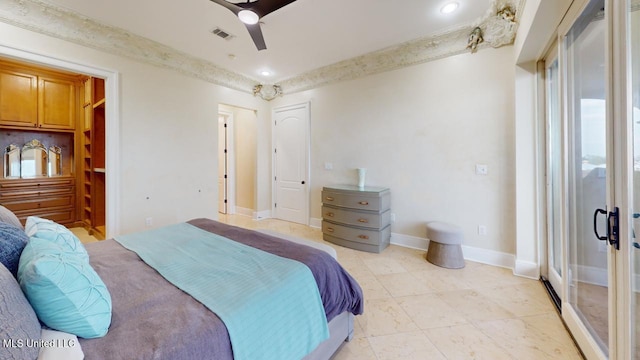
34	98
358	218
18	98
52	198
56	103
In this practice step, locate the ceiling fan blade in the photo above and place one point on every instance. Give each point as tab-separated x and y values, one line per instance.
265	7
233	7
256	35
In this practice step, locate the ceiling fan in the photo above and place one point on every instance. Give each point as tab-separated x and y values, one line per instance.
250	12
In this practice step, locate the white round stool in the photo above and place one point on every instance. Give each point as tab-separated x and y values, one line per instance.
445	245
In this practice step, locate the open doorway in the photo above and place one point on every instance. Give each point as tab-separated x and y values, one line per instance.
237	160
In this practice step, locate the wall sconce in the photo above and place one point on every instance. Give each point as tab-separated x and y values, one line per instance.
267	92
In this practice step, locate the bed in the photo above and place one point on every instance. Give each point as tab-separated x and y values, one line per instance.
153	319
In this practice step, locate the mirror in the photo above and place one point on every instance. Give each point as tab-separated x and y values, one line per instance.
55	161
33	161
12	161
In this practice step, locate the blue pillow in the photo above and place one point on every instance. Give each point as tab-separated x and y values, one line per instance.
12	241
49	230
19	322
64	290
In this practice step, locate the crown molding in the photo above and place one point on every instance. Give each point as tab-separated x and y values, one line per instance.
54	21
51	20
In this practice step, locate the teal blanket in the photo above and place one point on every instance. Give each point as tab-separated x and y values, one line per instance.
270	305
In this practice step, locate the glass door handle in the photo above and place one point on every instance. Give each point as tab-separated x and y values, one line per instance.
613	228
595	223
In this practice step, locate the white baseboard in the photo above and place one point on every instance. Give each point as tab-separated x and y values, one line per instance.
315	223
484	256
527	269
409	241
243	211
261	215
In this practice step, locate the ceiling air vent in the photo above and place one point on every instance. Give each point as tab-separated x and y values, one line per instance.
221	33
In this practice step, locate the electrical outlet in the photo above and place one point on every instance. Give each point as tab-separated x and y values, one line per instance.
482	230
148	221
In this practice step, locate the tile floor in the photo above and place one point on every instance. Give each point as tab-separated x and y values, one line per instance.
415	310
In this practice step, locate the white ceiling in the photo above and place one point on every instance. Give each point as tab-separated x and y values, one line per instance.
300	37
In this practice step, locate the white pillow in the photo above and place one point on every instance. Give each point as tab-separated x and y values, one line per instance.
64	346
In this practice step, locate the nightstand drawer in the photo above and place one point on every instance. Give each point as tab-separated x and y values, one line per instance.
355	201
365	236
364	219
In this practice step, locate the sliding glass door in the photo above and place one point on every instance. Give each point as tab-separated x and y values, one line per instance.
587	169
593	175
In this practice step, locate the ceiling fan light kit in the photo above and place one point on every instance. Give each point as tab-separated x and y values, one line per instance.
248	17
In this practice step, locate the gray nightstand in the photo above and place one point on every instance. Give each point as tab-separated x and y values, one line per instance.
357	218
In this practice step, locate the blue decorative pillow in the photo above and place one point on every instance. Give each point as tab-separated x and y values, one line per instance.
12	241
19	322
64	290
49	230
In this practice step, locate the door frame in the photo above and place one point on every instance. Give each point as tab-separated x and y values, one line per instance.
546	266
231	169
622	114
307	107
112	124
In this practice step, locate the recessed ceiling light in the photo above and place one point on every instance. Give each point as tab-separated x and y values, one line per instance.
449	8
265	73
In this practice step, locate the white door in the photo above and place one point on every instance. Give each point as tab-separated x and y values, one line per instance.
222	164
291	163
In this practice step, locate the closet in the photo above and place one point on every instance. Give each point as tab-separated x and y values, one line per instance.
53	144
93	165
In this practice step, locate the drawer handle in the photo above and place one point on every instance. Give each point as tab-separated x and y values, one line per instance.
330	214
363	203
330	229
365	237
329	198
363	221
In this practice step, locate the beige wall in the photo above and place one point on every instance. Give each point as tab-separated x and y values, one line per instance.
420	131
165	118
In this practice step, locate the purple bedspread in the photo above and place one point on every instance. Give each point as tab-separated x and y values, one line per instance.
152	319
